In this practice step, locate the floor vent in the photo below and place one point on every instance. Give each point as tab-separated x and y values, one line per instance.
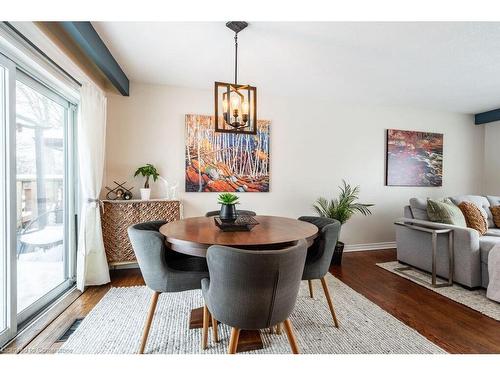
64	337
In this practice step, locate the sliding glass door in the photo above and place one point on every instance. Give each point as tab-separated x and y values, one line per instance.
42	120
37	195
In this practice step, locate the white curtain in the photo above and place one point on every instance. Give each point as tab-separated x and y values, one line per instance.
92	267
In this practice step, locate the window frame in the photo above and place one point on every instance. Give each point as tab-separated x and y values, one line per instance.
8	192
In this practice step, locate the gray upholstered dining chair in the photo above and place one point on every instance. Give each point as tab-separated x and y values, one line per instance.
238	212
252	289
319	256
163	270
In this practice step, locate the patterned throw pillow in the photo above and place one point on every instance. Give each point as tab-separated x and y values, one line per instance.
495	211
473	217
445	212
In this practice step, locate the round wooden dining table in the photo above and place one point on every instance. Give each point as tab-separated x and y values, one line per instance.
193	236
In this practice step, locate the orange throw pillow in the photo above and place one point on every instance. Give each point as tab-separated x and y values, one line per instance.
495	211
473	217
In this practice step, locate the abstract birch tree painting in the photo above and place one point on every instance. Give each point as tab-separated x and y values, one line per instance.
225	162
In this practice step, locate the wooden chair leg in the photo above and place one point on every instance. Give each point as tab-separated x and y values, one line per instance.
204	334
329	300
149	320
310	288
278	329
233	341
215	330
291	336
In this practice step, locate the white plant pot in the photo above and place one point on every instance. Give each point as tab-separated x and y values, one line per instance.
145	194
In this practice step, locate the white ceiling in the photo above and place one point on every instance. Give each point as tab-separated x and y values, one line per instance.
446	66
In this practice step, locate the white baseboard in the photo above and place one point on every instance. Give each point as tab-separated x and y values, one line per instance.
370	246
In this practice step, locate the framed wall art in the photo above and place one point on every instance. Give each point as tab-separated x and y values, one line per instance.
414	158
225	162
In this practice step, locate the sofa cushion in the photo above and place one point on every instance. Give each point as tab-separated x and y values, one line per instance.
474	217
494	232
495	212
419	208
486	243
494	200
479	201
445	212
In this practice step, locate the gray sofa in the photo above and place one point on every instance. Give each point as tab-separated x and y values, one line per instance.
470	249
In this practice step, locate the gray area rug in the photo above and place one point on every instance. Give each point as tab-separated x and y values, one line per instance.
475	299
115	326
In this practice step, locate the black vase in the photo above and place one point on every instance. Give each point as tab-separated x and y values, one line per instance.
228	212
337	254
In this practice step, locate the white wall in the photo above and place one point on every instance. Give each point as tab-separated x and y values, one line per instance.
492	158
314	144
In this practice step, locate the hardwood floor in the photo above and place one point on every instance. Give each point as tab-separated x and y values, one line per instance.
452	326
45	341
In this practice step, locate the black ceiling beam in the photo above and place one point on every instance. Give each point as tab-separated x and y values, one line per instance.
485	117
85	36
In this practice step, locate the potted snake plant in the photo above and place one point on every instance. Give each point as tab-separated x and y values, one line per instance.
228	204
342	208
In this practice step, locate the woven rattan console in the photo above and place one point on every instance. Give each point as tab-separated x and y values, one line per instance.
118	215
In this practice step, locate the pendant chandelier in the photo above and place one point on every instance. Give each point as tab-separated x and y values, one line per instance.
235	104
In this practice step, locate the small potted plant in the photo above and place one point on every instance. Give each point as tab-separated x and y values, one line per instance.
147	171
341	209
228	203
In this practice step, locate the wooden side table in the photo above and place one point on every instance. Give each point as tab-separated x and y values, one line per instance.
118	215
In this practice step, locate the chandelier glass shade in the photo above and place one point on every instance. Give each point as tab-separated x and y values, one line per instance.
235	108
